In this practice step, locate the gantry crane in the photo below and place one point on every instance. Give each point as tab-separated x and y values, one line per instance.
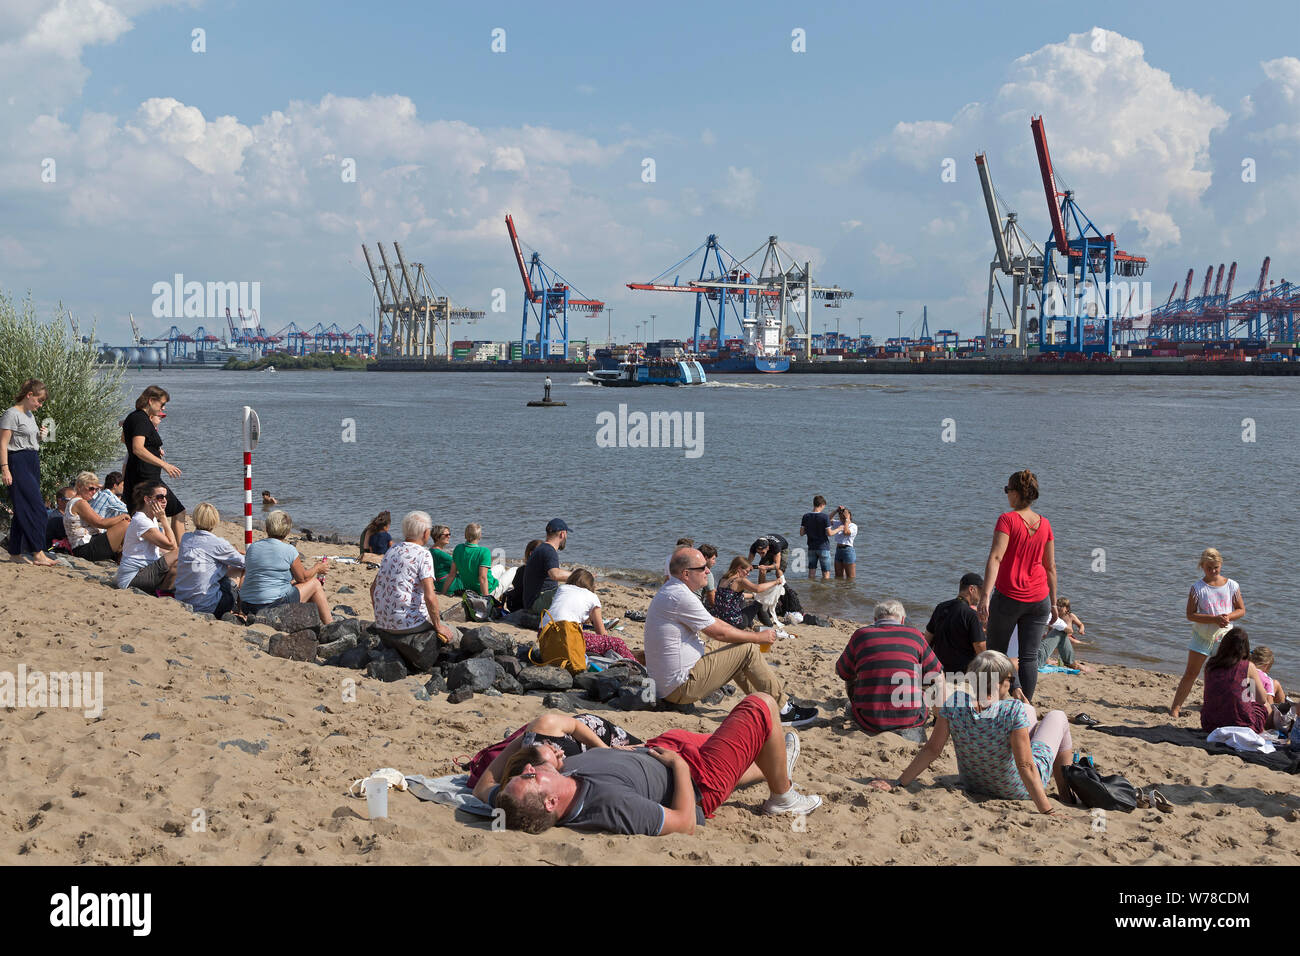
1016	257
547	300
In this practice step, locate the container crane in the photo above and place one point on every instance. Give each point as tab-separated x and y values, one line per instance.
1018	258
547	300
1091	260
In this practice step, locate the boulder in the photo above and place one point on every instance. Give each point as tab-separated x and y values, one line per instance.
437	683
344	610
290	617
386	670
557	701
508	685
477	674
460	696
545	678
584	681
419	651
480	638
455	612
354	658
511	665
298	646
337	629
335	648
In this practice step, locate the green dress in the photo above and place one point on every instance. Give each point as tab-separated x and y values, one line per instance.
468	558
443	568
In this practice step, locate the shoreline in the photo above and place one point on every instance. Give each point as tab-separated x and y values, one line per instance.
198	717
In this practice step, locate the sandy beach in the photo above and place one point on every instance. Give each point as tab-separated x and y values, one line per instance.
253	756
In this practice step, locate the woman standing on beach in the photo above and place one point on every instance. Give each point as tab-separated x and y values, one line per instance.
1213	603
144	461
1022	561
20	469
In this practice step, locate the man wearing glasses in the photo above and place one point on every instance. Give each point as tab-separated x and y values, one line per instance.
683	669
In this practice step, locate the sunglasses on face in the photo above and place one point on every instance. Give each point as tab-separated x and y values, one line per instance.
157	497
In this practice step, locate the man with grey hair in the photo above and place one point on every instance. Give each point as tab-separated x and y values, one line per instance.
683	669
403	592
884	668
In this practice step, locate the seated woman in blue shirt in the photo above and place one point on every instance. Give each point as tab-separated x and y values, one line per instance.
274	572
209	567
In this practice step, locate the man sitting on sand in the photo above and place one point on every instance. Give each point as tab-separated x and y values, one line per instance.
885	669
542	571
682	668
681	779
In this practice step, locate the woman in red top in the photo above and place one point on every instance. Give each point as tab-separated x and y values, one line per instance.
1023	563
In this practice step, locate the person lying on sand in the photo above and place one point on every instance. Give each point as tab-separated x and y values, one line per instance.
668	788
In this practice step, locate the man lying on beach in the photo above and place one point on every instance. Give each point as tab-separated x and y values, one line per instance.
672	786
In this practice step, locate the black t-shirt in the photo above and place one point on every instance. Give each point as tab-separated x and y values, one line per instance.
815	524
956	628
137	470
538	571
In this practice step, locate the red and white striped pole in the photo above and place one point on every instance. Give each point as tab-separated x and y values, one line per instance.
252	430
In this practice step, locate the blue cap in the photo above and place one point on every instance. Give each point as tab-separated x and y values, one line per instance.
556	524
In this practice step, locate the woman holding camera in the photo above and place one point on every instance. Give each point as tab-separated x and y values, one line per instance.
844	530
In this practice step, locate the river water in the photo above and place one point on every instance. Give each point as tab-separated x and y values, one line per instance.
1138	475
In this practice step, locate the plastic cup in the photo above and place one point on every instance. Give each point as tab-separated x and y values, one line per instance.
376	798
764	648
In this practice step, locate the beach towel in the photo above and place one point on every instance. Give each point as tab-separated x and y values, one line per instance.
1057	669
452	791
1283	760
1241	738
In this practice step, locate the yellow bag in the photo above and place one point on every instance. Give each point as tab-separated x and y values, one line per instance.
561	644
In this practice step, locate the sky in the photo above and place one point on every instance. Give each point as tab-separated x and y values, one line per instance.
133	148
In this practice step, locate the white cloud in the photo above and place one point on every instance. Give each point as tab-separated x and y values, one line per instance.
508	159
889	256
739	193
708	138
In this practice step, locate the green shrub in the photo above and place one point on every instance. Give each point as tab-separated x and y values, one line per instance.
85	397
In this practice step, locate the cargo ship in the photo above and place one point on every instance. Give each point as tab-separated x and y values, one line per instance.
735	357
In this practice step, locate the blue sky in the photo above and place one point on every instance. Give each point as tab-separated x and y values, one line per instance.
224	164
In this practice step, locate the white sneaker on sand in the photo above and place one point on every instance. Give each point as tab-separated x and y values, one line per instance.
792	802
791	753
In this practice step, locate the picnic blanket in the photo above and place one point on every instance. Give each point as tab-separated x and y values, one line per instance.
452	790
1282	759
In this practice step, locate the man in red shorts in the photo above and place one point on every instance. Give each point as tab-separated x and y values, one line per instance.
669	786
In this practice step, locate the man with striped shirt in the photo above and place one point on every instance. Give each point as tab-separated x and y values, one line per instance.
887	668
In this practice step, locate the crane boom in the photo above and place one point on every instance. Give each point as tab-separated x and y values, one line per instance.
995	217
519	258
1049	183
1232	274
1218	281
1263	275
1187	286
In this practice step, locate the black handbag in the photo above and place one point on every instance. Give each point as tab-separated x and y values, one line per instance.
1097	792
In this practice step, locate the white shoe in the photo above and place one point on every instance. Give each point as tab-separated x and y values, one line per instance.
791	753
792	802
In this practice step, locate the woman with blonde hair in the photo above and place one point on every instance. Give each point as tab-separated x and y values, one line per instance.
274	572
104	543
1003	749
209	567
729	599
20	469
1213	604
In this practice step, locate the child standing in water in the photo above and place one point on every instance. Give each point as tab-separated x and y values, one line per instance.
1213	604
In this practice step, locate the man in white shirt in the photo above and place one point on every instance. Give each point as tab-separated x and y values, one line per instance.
683	669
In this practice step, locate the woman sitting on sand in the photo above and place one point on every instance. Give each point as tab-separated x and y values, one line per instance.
729	600
576	601
1002	750
558	735
209	567
102	544
403	593
1213	603
1234	694
375	540
149	551
473	564
274	572
444	569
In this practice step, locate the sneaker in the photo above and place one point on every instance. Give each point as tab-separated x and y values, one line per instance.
792	802
791	753
794	716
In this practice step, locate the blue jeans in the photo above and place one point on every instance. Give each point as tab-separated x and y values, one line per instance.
820	557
